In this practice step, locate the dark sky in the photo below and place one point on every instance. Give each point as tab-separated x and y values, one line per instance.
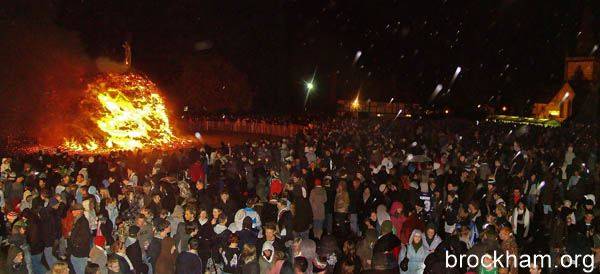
512	50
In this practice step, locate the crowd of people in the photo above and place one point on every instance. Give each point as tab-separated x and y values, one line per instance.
342	196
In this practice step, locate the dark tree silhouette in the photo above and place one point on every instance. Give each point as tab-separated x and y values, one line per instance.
210	83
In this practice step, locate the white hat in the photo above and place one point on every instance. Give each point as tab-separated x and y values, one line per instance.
591	197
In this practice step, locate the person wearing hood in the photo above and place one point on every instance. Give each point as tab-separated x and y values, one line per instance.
318	198
382	214
271	236
15	261
267	256
397	216
412	222
416	253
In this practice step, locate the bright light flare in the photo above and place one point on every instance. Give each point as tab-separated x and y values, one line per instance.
355	104
357	56
436	91
310	86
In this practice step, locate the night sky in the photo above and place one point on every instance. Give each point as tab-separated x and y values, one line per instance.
510	52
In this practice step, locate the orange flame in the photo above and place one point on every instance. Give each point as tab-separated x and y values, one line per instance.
127	113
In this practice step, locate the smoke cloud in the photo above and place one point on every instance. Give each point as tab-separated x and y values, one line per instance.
43	74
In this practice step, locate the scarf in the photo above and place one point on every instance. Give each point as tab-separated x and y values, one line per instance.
417	246
514	219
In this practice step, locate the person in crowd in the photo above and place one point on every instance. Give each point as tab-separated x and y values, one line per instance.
318	198
59	267
80	239
98	254
248	260
188	262
341	195
165	262
133	250
415	252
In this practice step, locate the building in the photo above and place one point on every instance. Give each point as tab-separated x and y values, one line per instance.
577	98
376	109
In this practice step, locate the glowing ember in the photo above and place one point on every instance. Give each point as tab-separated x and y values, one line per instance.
126	113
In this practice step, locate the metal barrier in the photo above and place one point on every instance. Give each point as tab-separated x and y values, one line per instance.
246	126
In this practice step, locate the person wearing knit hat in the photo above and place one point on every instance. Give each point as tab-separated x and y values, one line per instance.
98	254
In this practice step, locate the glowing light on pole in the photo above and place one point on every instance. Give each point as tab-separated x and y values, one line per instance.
355	104
310	86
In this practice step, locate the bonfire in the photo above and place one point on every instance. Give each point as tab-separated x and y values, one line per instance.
122	112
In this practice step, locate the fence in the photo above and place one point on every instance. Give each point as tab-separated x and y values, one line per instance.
246	126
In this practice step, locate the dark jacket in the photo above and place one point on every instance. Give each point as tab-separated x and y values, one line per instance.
188	263
50	226
154	251
134	253
35	238
247	236
80	241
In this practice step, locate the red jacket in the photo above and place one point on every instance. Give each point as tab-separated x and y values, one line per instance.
196	172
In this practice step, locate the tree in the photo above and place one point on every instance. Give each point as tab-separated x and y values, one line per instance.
210	83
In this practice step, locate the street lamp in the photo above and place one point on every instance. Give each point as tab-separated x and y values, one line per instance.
309	86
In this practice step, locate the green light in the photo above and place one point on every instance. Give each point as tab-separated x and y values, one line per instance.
310	86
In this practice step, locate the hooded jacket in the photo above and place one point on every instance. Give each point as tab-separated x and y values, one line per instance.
265	263
397	219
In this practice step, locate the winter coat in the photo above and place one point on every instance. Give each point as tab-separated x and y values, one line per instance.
166	260
10	266
416	258
50	226
98	256
134	253
230	257
264	263
35	238
80	241
342	202
188	263
153	251
397	220
303	217
196	172
318	197
411	223
430	247
364	248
